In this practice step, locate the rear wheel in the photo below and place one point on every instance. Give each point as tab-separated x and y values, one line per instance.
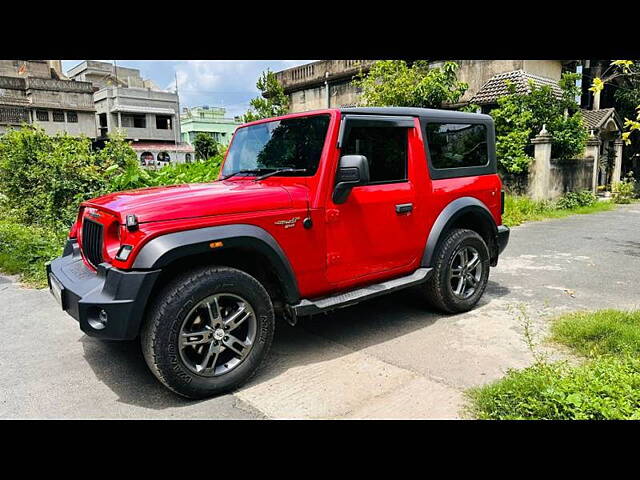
208	332
461	272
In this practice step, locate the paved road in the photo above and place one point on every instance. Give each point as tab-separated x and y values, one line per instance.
387	358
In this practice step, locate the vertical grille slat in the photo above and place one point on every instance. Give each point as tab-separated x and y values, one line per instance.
92	242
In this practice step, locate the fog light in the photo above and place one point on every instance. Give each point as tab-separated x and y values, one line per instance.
123	253
100	322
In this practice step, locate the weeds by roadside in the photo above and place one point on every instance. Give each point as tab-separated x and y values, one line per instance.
520	209
606	385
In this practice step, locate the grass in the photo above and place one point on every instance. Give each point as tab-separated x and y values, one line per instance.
520	209
605	386
604	332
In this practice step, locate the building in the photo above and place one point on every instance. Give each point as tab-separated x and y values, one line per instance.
35	92
210	120
104	74
144	114
329	84
322	84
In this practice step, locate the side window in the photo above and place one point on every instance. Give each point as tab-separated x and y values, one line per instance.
385	149
455	145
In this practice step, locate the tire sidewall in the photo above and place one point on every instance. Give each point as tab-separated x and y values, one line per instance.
166	345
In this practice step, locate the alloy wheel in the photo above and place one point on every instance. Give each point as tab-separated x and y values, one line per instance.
217	334
465	272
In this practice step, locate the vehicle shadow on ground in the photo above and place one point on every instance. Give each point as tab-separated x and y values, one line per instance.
121	366
351	329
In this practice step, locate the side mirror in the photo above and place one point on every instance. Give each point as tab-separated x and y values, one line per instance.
353	170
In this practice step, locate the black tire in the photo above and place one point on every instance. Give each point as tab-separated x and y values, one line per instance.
175	305
439	291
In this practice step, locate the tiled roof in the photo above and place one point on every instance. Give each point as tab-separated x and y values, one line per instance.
496	87
595	119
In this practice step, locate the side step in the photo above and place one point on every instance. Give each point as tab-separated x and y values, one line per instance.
310	307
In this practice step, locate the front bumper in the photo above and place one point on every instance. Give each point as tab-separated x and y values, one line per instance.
109	303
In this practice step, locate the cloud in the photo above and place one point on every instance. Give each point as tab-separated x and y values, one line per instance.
227	83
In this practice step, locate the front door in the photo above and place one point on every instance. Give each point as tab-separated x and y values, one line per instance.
374	232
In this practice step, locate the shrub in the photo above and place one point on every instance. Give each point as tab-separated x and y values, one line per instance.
25	249
44	178
570	200
520	116
624	191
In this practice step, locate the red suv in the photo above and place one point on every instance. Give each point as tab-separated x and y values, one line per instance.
312	211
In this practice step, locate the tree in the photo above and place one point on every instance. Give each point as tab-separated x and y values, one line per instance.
519	117
205	146
621	69
271	103
395	83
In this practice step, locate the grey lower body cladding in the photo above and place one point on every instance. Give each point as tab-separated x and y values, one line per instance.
109	303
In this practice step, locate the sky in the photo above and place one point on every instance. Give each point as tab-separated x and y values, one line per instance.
216	83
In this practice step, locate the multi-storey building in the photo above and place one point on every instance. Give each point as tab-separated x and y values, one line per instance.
35	92
209	120
135	107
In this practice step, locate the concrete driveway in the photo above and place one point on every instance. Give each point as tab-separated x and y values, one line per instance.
386	358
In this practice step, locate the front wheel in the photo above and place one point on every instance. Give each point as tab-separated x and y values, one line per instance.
461	272
208	332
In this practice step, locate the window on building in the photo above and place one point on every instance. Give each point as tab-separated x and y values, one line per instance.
164	157
385	149
187	157
134	121
58	116
72	117
163	122
455	145
42	115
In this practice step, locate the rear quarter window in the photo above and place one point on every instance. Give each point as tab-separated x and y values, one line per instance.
458	149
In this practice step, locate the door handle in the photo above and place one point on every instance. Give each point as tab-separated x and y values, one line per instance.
404	208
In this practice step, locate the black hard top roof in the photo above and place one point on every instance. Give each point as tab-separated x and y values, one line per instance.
429	113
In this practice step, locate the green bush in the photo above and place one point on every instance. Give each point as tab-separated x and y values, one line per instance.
44	178
584	198
624	191
25	249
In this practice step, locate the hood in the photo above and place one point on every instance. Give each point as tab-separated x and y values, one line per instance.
193	200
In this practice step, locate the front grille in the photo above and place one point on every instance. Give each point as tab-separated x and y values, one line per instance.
92	242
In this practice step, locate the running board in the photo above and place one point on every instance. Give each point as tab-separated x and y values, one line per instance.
310	307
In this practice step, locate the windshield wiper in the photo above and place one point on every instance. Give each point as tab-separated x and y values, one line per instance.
281	170
251	170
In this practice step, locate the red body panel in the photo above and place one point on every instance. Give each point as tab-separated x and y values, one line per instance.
360	241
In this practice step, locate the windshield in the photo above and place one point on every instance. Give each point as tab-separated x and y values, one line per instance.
294	143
